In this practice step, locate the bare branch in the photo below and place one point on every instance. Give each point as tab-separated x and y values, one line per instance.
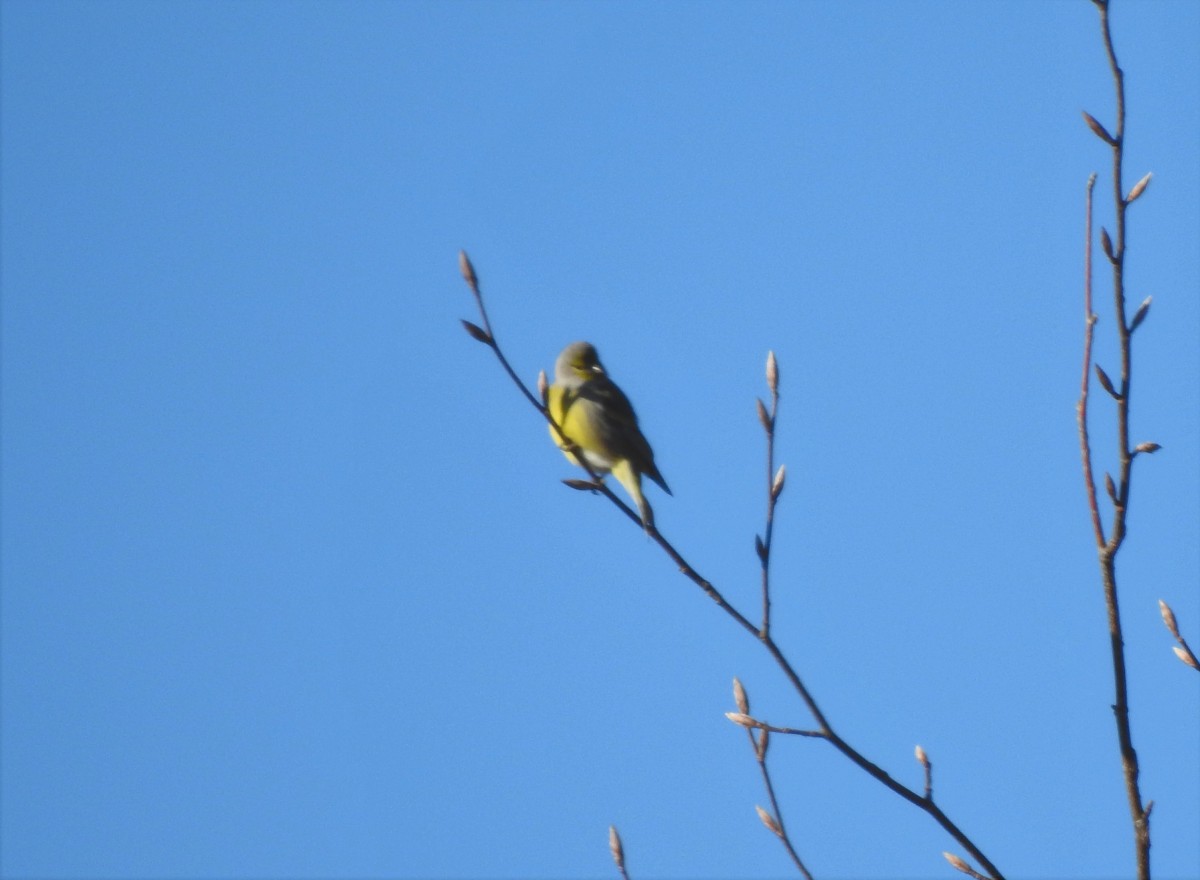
1081	409
743	720
774	819
774	487
1118	489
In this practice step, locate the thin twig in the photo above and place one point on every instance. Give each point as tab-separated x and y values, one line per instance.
825	729
758	745
743	720
760	753
1089	318
774	487
927	766
489	338
1115	251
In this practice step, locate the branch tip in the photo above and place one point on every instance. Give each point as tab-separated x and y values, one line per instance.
1168	617
615	847
468	271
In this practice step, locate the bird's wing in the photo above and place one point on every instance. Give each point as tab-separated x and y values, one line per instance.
620	427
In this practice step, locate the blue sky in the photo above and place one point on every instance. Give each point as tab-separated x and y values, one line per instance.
290	586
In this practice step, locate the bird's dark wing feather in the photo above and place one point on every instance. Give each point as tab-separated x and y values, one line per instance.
623	435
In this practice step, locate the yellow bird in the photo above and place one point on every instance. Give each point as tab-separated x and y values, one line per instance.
596	416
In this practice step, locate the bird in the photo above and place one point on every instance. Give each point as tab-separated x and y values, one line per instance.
597	419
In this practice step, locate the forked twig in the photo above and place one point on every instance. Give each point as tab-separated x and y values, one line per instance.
1118	490
772	819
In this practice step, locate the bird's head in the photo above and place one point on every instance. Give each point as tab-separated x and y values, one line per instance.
577	364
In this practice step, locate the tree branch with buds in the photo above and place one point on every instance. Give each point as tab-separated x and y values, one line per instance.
772	819
824	730
775	480
1117	489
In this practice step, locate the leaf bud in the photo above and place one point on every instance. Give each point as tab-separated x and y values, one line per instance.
1140	314
739	696
1138	188
777	483
1099	130
467	270
614	846
1168	617
769	821
477	333
956	862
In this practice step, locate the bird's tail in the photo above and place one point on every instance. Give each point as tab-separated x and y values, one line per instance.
628	477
